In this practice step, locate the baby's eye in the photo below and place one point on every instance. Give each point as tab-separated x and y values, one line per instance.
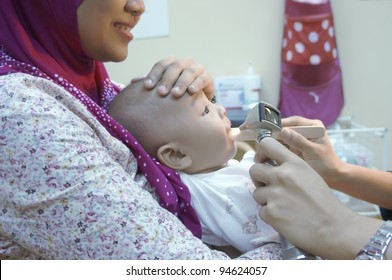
213	100
206	110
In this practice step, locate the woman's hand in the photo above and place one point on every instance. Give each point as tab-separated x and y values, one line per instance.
176	76
297	202
318	153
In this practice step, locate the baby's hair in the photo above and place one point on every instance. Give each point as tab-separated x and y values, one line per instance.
139	111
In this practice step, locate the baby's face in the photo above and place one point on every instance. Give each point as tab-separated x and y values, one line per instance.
203	130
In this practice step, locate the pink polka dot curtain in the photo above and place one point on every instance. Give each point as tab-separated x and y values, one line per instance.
311	78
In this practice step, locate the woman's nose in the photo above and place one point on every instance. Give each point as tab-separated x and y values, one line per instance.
135	7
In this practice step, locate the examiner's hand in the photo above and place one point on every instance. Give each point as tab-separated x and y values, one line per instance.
295	200
176	76
318	153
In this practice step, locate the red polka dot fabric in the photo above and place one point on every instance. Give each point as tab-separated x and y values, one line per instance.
311	79
309	40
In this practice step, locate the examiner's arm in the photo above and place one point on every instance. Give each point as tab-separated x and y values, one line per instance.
364	183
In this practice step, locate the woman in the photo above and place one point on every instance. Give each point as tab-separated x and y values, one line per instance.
74	183
299	204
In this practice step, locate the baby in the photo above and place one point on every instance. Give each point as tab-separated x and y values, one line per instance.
192	135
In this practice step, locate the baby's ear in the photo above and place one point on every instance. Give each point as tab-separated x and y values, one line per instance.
172	157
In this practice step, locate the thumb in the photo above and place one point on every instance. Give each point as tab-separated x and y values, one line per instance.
295	140
271	149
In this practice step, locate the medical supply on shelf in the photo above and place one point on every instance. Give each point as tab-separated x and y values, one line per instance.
240	92
252	88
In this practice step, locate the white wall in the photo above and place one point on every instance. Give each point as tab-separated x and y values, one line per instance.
224	35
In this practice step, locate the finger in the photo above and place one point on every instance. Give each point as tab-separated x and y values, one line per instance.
201	81
274	150
262	174
295	151
206	83
300	121
259	173
267	198
138	78
263	214
177	77
259	196
296	141
157	72
267	214
260	157
192	78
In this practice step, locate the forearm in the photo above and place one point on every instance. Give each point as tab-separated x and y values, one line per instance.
364	183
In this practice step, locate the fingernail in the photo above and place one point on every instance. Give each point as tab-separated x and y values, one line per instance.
162	89
148	82
175	90
192	88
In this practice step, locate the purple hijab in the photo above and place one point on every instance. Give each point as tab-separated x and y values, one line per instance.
41	38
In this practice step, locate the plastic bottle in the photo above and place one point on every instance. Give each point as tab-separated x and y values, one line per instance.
252	88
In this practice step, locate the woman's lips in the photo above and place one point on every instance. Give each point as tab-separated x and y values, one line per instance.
124	29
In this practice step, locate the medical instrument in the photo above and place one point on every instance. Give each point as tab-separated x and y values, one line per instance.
265	120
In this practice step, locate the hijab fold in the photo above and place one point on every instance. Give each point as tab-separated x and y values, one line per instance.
41	38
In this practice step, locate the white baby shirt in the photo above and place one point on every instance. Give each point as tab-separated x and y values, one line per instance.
224	203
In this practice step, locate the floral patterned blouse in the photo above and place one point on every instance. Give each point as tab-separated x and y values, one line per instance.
69	190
